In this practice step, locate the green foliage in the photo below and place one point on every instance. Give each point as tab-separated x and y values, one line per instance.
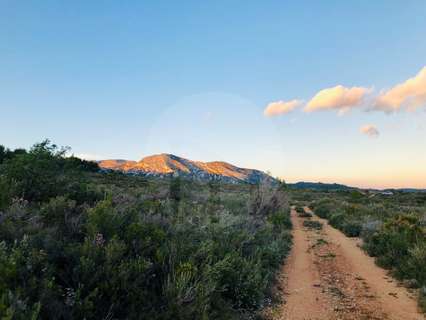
301	212
280	219
299	209
79	244
311	224
3	153
44	172
5	193
422	299
401	244
175	192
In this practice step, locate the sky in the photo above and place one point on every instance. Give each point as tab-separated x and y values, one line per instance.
307	90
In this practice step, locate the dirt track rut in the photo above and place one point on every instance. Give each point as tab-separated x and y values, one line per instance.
327	276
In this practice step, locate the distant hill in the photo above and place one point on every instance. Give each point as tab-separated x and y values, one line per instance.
319	186
169	165
341	187
408	190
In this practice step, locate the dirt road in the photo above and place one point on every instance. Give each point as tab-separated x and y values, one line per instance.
327	276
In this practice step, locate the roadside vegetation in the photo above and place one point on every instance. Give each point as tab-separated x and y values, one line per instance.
392	227
76	243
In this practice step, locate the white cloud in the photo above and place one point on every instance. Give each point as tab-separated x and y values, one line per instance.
370	130
338	98
281	107
410	95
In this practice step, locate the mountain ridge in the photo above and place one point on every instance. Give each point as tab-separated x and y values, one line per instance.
168	165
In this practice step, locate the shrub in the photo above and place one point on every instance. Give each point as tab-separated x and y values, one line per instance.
305	214
422	298
323	208
76	243
400	244
351	228
312	224
299	209
5	193
280	220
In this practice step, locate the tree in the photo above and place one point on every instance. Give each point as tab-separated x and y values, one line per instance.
3	152
36	175
175	191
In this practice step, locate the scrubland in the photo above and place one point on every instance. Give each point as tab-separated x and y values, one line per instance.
76	243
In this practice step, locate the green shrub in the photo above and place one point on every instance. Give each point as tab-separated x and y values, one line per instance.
299	209
351	228
399	244
422	299
311	224
305	214
79	244
280	220
323	208
5	193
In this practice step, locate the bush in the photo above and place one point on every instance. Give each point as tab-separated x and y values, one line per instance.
312	224
5	194
280	220
351	228
79	244
323	208
422	298
305	214
400	244
299	209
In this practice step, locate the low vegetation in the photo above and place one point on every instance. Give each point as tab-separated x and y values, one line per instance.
311	224
301	212
79	244
393	229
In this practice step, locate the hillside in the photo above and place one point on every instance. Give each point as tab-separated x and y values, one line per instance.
163	165
320	186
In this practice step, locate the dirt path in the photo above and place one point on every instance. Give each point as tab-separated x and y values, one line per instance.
327	276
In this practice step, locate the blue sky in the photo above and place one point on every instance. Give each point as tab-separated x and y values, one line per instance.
125	79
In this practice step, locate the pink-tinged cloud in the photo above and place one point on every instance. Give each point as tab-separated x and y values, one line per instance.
337	98
370	130
409	95
281	107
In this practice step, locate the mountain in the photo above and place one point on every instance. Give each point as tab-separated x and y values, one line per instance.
168	165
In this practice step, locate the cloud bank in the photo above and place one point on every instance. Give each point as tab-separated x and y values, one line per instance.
281	107
409	95
370	130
